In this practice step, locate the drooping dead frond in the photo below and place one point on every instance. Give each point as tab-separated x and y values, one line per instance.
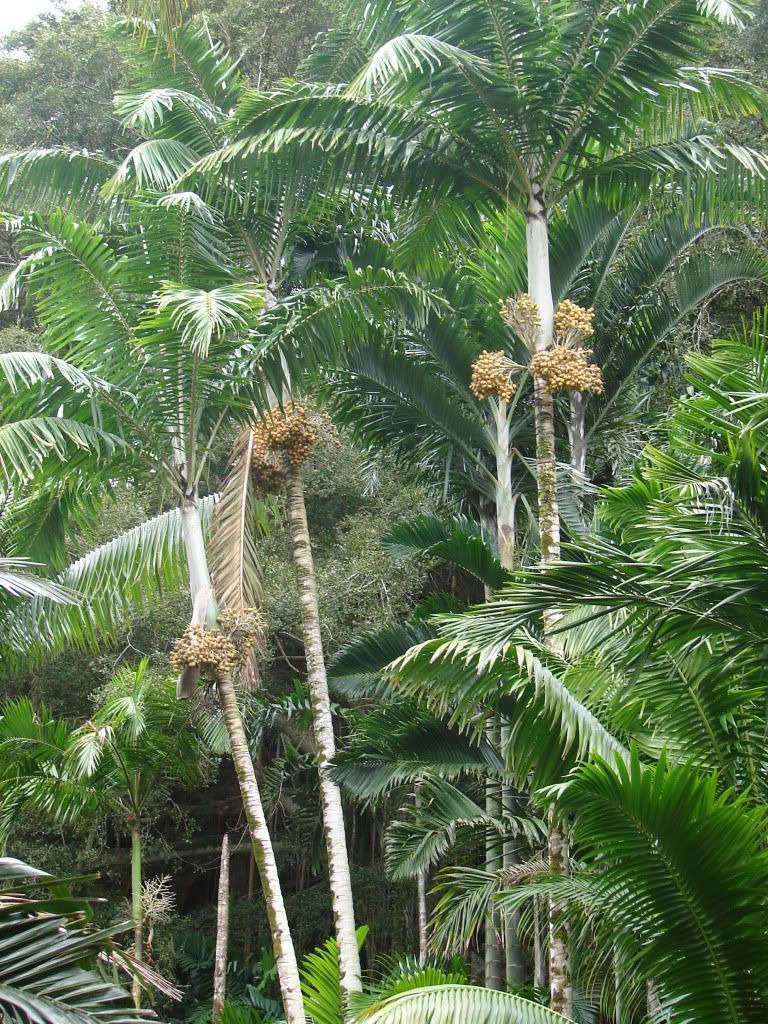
233	551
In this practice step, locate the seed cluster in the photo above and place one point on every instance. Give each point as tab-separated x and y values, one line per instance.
573	323
287	434
209	650
522	315
217	652
568	368
245	629
491	377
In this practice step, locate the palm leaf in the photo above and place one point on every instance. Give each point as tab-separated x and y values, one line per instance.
129	573
445	1004
233	552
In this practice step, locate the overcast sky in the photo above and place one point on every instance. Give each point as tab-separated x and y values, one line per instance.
16	13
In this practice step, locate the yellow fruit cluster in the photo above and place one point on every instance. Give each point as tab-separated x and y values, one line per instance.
568	368
490	377
286	431
210	651
573	323
287	434
522	315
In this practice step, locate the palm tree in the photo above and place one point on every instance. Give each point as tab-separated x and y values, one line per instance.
51	966
505	106
138	744
413	399
140	307
237	231
661	635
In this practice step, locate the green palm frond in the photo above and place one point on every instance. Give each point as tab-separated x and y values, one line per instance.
23	369
445	1004
400	744
156	164
425	831
676	867
458	541
359	668
197	316
26	445
320	980
387	400
51	964
550	725
110	583
44	179
318	326
18	580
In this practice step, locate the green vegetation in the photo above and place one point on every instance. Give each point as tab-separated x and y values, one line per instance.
384	513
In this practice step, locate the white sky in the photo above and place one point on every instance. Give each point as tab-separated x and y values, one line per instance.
16	13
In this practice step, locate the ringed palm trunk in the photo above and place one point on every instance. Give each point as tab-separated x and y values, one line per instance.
540	290
222	934
137	908
263	852
282	943
505	537
421	899
330	795
494	955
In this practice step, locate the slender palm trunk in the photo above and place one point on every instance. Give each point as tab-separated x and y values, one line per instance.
199	582
540	290
577	431
222	934
505	500
505	537
421	899
282	943
494	955
194	544
330	795
137	909
539	965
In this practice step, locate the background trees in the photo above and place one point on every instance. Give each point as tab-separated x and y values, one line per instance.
122	764
350	242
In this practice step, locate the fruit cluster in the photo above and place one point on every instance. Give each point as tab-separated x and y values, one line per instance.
522	315
568	368
287	434
287	431
245	629
573	323
209	650
491	377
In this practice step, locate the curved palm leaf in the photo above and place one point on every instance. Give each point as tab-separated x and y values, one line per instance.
445	1004
50	965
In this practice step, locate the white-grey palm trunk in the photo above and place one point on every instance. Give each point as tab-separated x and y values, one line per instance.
263	852
540	290
333	814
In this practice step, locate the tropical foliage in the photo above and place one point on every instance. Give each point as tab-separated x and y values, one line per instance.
412	410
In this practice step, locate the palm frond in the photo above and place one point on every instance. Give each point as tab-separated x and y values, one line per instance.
238	517
445	1004
129	573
